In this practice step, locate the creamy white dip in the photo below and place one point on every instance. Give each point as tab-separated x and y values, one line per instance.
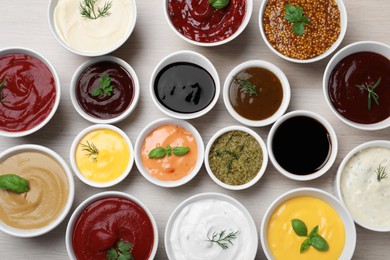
93	35
198	221
367	198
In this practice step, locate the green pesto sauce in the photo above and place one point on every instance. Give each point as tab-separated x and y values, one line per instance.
235	157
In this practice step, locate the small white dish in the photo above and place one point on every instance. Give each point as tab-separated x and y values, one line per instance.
71	191
76	142
259	173
152	126
82	68
190	57
278	73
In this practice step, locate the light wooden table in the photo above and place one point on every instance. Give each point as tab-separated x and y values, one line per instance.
25	23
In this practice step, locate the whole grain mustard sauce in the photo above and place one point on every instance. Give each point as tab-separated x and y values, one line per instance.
111	161
46	198
284	243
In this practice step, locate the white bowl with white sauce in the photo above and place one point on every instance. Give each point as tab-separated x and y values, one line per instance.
211	226
363	184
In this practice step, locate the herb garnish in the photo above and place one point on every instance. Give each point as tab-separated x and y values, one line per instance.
1	89
246	86
87	9
314	239
91	150
371	92
105	87
122	251
294	14
160	152
223	240
13	182
381	172
219	4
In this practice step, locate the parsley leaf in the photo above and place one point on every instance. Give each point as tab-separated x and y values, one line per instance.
105	88
294	14
122	251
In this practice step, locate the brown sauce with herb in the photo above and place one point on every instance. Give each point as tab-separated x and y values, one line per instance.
267	97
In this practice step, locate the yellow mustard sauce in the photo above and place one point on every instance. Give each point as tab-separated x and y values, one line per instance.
285	243
111	160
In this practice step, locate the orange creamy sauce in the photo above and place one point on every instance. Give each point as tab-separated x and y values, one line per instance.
169	168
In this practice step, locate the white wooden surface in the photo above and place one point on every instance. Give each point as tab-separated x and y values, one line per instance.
25	23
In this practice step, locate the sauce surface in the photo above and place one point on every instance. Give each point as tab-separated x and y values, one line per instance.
199	21
111	161
48	194
301	145
169	168
105	106
28	93
267	99
197	222
184	87
107	221
362	68
285	243
364	195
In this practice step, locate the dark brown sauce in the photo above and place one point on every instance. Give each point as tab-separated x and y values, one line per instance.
261	105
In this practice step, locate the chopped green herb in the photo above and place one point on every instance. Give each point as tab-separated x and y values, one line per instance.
294	14
105	88
122	251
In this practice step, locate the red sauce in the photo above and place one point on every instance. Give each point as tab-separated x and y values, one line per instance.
28	93
199	21
105	222
361	68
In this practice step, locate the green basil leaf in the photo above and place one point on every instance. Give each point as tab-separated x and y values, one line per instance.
305	245
157	152
12	182
169	150
299	227
319	243
219	4
314	231
180	150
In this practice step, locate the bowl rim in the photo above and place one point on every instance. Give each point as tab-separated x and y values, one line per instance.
57	86
27	233
50	16
262	169
285	88
210	195
349	225
102	195
333	139
354	151
240	29
73	150
337	57
191	57
335	45
83	67
152	126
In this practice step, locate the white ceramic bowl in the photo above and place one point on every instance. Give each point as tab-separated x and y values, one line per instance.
370	186
218	197
149	128
80	70
101	195
57	85
343	29
245	21
43	230
259	173
352	48
51	11
190	57
73	150
279	74
333	141
349	226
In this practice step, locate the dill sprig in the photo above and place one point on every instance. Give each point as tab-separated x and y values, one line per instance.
371	92
381	172
90	150
246	86
223	240
88	10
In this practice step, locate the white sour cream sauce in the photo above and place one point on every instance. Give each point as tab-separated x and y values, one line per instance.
93	35
199	220
366	198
